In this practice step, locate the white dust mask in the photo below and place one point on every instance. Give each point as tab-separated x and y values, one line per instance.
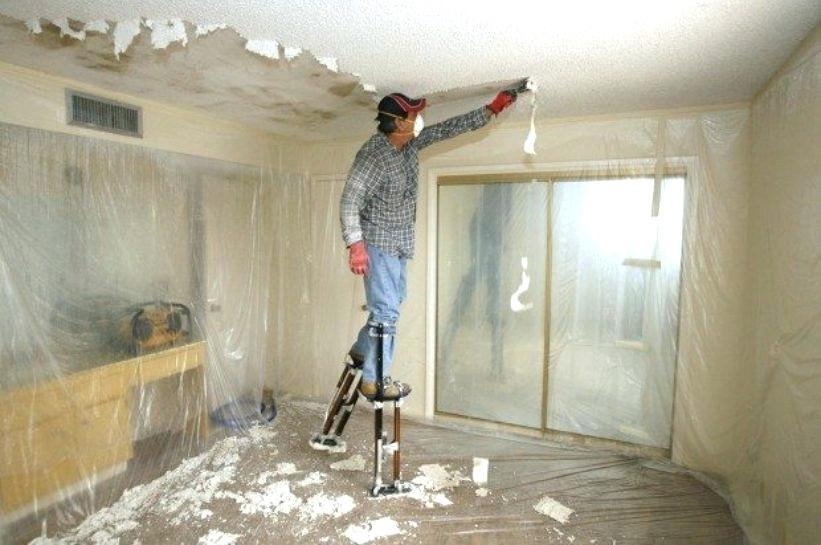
418	125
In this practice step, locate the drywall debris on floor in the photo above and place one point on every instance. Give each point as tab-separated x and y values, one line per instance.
276	498
166	32
375	529
285	468
428	486
322	504
482	492
313	478
124	34
217	537
354	463
480	468
553	509
179	494
435	477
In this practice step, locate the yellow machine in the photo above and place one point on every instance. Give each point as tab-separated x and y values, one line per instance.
153	326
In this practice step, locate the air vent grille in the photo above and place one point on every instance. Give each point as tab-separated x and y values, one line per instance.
103	114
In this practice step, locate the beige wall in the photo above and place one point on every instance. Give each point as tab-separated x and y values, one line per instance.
707	347
748	379
37	100
784	448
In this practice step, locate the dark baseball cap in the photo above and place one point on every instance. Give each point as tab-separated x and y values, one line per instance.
400	105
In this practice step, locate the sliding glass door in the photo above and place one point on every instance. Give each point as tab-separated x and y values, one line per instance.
491	301
587	269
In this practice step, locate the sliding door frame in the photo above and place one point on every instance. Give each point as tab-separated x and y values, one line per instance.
543	173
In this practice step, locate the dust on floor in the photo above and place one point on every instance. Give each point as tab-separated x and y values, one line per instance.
269	486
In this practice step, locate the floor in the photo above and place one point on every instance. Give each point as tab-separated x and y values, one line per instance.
269	486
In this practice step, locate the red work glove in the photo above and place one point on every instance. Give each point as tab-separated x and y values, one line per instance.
358	259
502	101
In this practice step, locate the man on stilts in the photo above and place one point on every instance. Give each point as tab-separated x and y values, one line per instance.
378	215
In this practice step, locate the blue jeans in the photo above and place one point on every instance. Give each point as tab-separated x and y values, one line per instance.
385	289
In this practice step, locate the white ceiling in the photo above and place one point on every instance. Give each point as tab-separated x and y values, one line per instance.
589	57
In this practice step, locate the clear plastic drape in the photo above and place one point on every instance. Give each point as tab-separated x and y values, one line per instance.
134	292
614	308
491	282
676	309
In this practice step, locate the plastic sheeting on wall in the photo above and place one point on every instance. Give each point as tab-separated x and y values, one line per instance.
134	290
93	230
779	483
711	427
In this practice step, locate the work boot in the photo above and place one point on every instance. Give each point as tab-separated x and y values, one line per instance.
357	359
391	389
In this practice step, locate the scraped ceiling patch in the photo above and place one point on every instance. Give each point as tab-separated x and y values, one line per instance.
591	57
207	66
34	26
66	30
165	32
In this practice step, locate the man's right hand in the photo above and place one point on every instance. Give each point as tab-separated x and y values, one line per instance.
502	101
358	259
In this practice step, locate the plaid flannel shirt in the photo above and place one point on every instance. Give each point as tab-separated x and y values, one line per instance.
379	200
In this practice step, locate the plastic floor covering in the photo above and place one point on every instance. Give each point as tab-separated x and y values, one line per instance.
269	486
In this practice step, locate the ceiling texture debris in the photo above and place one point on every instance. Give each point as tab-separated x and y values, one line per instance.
590	57
247	81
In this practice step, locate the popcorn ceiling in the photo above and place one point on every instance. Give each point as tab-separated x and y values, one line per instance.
204	30
601	58
292	52
329	62
99	26
264	48
166	32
